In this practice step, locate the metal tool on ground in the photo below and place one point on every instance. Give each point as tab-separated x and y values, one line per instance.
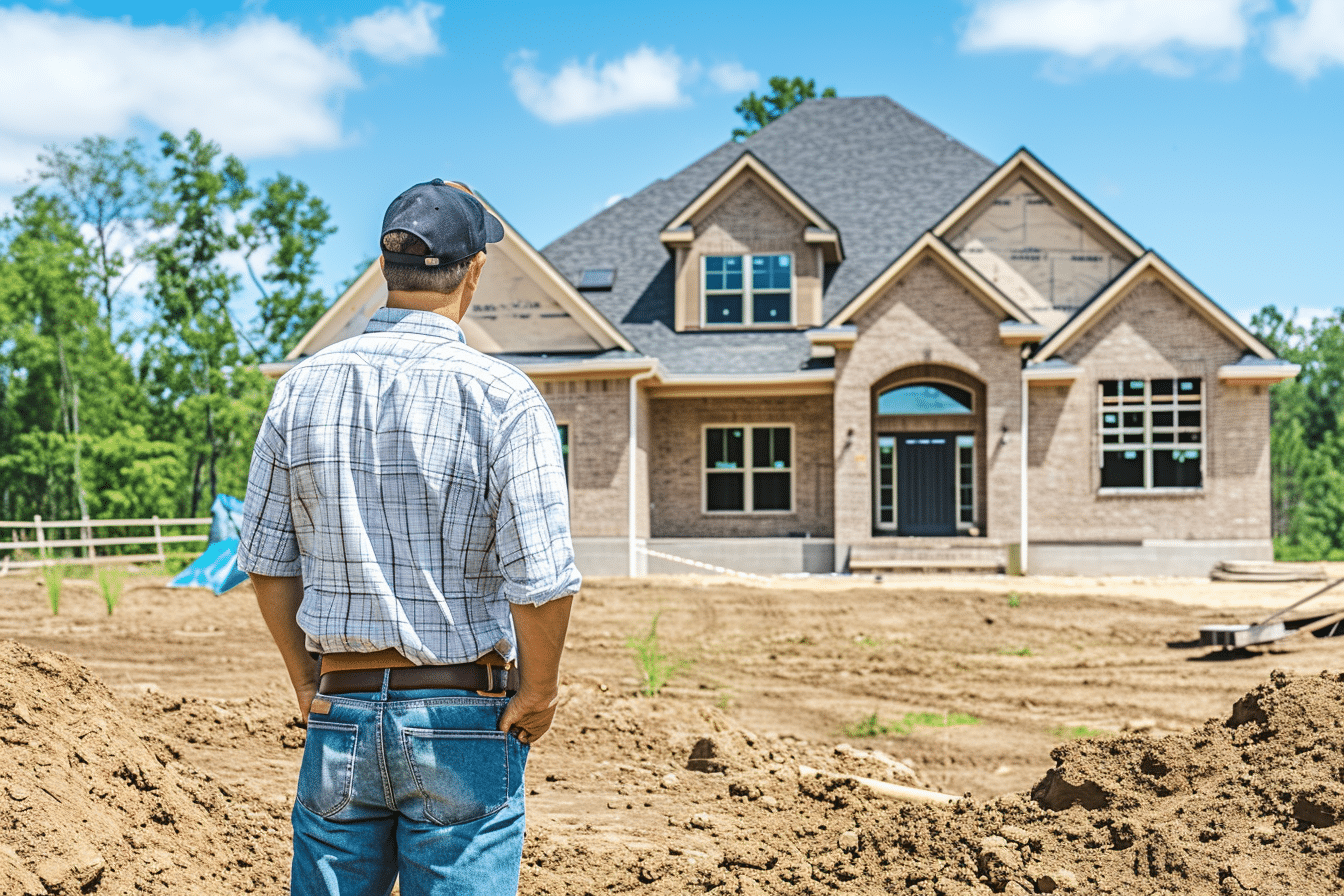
1273	628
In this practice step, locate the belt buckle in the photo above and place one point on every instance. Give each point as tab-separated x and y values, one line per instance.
490	680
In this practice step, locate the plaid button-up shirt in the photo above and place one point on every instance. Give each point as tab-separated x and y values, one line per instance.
418	488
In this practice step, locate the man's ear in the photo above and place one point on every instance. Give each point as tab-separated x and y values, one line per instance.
382	263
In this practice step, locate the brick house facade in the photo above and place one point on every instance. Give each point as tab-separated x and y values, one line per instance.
827	347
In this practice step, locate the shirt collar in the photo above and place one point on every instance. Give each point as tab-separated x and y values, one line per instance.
406	320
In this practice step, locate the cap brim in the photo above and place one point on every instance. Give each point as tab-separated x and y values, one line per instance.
494	231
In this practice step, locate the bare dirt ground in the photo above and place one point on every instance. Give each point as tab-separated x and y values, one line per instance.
1156	802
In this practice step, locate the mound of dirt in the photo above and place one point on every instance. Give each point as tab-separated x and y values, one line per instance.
93	804
1250	804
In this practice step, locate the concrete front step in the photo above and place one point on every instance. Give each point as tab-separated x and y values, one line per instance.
909	555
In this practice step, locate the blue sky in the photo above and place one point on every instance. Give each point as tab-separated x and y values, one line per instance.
1212	130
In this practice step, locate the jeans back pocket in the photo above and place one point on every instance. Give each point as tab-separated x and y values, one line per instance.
327	773
461	776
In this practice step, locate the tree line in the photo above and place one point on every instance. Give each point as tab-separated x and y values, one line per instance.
129	385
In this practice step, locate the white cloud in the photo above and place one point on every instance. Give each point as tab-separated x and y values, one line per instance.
396	35
1310	40
732	76
612	200
1153	33
258	87
642	79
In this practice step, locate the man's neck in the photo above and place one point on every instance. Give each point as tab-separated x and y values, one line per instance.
450	305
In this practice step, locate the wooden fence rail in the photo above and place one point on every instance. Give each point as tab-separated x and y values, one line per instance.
46	546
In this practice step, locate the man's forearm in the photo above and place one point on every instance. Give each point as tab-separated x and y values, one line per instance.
541	639
279	597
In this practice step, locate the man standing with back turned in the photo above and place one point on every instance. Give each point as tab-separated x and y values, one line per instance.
407	528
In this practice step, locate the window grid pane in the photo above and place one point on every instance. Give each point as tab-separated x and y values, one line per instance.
769	487
1141	425
729	296
886	479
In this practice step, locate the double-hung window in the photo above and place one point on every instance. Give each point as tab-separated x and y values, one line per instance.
748	290
1152	433
748	469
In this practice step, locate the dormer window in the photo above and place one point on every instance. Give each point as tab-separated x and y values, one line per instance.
731	298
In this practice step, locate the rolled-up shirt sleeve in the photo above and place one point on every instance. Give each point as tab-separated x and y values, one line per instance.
267	544
532	538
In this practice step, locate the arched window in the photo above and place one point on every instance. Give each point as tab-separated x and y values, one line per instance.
924	398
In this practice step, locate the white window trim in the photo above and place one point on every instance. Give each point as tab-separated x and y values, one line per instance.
975	492
748	319
748	469
1148	446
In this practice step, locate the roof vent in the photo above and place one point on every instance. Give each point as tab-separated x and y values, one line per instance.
597	278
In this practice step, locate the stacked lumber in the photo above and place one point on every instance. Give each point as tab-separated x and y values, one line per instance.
1266	571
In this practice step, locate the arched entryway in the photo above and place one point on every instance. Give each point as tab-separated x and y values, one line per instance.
928	452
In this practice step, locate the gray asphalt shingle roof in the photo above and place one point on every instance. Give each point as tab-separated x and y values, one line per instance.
880	173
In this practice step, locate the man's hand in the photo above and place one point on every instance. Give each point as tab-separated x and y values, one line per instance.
541	638
528	716
304	692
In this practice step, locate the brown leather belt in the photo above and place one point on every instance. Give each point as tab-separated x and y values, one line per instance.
488	681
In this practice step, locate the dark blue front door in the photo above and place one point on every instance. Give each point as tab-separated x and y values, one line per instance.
926	488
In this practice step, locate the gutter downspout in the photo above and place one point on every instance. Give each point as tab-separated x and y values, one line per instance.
631	463
1022	510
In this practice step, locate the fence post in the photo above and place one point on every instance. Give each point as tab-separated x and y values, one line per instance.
158	541
86	535
41	549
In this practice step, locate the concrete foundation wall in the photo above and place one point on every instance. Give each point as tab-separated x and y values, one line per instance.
1153	558
763	556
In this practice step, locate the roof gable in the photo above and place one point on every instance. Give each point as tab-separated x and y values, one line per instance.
1022	165
929	246
748	167
1151	265
522	305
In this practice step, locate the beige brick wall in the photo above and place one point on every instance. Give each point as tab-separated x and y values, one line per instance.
1150	333
597	411
926	317
677	466
748	218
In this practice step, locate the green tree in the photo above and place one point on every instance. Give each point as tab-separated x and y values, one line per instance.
1307	435
293	224
109	188
65	387
192	362
785	93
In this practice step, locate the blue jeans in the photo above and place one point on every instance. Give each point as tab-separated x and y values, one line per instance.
411	783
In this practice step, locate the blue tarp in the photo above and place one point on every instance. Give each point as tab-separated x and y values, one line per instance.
217	568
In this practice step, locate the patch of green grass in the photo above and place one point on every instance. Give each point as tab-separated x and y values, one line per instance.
724	700
657	667
871	726
866	641
54	576
1077	732
110	582
1014	599
1014	651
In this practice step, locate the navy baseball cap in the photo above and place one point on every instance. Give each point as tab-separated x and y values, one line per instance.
452	222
